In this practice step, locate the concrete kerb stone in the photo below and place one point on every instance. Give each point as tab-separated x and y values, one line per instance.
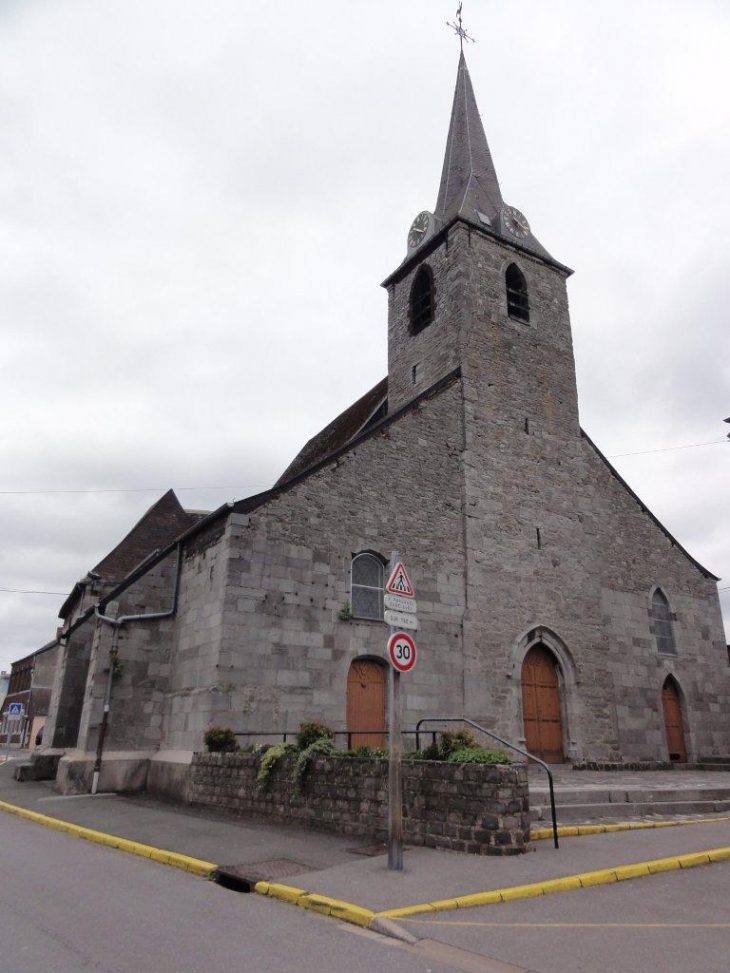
382	921
603	876
573	831
193	865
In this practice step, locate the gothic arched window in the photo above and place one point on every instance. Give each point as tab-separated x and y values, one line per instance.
422	303
662	623
366	586
518	305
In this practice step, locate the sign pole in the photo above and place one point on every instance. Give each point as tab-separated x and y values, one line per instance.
395	754
395	778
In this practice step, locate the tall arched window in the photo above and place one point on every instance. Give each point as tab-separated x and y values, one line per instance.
662	623
366	588
423	300
518	305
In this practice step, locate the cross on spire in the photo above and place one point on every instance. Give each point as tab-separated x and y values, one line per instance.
459	30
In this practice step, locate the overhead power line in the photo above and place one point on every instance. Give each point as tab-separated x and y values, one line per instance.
240	486
668	449
31	591
252	486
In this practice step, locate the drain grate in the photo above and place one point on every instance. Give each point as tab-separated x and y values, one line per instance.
371	851
242	878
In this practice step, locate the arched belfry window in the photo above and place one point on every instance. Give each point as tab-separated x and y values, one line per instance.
423	300
662	623
518	305
366	587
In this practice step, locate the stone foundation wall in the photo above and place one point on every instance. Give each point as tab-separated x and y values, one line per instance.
464	807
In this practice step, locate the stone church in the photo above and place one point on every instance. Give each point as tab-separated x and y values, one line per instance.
553	607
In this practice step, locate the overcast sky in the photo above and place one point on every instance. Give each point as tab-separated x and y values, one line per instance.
198	202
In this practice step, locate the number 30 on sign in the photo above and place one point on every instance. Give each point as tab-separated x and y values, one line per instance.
402	651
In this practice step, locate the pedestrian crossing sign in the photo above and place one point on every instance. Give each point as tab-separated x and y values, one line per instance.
399	583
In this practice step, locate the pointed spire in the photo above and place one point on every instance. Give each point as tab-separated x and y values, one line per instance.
469	183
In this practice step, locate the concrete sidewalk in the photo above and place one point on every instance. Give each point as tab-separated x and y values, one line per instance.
330	867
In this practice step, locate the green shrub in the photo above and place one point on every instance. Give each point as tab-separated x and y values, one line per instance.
459	746
323	746
220	739
367	753
311	731
478	755
452	740
269	759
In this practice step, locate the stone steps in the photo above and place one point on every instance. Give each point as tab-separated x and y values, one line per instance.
578	803
588	813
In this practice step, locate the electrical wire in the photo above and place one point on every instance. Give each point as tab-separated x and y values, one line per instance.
251	486
668	449
31	591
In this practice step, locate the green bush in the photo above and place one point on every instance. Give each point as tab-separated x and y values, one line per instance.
220	739
452	740
478	755
323	746
269	759
311	731
459	746
367	753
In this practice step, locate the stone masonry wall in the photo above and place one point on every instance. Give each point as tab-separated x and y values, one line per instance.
557	549
285	651
463	807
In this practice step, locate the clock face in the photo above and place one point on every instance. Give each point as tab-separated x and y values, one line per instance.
419	229
514	222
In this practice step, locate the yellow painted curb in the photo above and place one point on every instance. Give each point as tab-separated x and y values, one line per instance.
193	865
575	830
316	903
601	876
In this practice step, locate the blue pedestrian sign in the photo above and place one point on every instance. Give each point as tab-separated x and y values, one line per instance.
15	711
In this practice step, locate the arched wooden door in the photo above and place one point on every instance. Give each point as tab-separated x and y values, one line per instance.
673	721
541	708
366	703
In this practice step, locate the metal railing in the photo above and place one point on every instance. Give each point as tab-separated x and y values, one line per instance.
285	735
505	743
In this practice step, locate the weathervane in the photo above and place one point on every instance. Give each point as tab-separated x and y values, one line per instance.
458	29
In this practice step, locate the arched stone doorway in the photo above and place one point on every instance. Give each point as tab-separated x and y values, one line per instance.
541	705
366	691
673	722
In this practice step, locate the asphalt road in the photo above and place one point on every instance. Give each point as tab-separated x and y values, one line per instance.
68	906
673	922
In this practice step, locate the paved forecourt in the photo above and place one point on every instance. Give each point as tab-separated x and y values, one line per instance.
333	876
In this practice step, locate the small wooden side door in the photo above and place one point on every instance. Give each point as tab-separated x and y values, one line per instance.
541	707
673	722
366	689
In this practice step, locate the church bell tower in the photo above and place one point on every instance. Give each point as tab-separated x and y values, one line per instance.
478	291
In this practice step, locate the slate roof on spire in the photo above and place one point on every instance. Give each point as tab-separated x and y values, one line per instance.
468	180
469	186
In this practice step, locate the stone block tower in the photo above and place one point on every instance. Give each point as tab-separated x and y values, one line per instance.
553	540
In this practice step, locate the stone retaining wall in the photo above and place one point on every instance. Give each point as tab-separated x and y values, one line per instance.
464	807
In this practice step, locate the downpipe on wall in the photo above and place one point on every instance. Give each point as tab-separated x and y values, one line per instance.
117	624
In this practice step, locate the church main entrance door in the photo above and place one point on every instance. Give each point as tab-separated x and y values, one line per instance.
673	721
366	703
541	708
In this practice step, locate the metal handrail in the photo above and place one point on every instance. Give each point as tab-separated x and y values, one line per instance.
283	734
505	743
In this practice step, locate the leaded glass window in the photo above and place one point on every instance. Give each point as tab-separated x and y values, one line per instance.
366	594
662	627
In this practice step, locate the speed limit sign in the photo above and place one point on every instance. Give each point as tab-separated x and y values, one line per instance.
402	651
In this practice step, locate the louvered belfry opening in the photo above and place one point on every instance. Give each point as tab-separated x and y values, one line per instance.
518	305
422	300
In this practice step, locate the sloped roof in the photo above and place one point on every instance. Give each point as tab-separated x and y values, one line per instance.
340	431
162	523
